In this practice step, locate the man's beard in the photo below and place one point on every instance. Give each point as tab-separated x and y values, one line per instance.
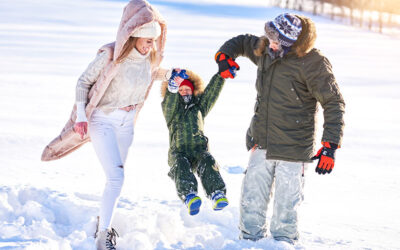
187	98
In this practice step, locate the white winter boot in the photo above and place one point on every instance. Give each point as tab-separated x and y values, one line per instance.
106	240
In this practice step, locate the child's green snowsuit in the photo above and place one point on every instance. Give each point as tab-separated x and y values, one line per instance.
188	151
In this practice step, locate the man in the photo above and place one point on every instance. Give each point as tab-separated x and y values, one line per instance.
292	78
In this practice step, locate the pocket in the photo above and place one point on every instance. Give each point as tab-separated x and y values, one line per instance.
131	115
295	93
98	116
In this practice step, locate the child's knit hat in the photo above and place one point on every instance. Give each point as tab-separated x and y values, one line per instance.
188	83
284	29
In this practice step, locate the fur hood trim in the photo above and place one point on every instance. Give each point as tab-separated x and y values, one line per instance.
304	44
194	78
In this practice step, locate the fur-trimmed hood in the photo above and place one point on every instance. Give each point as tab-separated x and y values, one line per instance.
304	44
135	14
198	84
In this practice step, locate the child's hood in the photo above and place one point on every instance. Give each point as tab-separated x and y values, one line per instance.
194	78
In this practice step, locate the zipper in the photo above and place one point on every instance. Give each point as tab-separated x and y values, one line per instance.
259	95
187	107
269	94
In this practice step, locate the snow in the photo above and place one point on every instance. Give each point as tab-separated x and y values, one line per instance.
46	44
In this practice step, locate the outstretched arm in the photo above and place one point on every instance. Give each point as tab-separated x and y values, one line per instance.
242	45
159	75
211	94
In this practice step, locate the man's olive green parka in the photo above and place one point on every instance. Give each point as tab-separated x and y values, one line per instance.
288	90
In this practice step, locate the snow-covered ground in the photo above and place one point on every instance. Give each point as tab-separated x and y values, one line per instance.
46	44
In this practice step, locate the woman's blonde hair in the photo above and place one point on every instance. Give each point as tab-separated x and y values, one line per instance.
130	45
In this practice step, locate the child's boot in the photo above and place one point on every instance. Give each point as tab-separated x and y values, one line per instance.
193	203
219	201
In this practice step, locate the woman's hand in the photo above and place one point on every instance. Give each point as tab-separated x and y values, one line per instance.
81	128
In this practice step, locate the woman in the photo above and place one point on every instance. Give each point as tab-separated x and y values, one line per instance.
109	95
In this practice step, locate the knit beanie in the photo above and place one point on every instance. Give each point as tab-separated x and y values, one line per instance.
188	83
284	29
148	30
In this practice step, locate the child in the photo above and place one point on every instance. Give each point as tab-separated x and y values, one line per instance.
188	153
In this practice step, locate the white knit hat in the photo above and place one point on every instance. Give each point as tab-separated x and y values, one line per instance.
148	30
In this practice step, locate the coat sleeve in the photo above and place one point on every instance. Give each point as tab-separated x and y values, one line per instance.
170	106
323	86
242	45
211	93
90	76
163	74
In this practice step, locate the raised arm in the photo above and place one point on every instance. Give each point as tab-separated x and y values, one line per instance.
170	106
211	94
242	45
159	75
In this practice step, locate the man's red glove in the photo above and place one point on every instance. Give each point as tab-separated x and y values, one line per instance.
227	67
326	156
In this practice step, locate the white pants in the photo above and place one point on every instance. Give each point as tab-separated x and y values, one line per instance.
111	135
257	190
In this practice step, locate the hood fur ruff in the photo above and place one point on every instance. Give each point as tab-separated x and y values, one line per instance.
135	14
198	84
304	44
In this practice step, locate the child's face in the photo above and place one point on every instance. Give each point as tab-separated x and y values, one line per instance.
185	90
